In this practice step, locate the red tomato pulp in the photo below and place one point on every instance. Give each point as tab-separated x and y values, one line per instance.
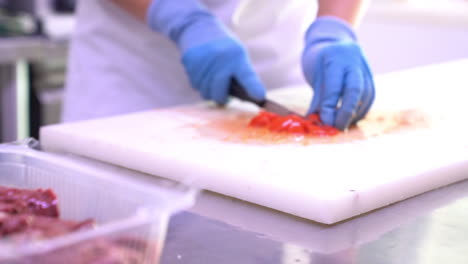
292	124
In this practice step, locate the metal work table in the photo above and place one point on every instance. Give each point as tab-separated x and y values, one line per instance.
15	54
429	228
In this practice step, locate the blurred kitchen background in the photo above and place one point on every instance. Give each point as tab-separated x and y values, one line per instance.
35	34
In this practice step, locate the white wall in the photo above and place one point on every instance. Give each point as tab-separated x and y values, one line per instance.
393	43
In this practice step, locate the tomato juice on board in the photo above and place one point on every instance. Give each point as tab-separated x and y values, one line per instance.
293	124
247	127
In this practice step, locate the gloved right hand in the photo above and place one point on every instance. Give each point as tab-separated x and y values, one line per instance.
210	54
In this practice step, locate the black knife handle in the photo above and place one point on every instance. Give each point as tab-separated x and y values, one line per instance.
239	92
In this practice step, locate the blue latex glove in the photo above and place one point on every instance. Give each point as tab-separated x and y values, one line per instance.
334	65
210	54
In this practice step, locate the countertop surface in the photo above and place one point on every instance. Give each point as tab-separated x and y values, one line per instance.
428	228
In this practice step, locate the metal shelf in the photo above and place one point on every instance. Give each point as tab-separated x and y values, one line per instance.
30	48
16	53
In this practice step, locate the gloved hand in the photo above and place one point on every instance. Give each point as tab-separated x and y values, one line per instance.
210	54
335	67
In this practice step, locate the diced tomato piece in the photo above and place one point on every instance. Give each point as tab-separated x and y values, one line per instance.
311	125
317	132
280	124
310	128
260	121
330	131
296	118
314	118
263	119
296	128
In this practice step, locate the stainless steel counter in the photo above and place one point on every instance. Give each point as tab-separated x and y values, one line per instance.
429	228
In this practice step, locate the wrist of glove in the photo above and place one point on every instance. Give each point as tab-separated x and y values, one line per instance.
186	23
334	65
211	55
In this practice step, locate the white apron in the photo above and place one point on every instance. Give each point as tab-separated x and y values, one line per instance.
118	65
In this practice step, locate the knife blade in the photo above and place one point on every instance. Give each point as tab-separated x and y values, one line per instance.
236	90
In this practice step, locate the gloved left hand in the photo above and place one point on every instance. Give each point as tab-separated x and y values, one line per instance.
334	64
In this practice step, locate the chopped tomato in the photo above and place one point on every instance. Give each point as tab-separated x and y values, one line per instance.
296	128
262	119
279	124
314	118
311	125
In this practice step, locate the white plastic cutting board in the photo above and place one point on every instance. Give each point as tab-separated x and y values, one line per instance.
326	182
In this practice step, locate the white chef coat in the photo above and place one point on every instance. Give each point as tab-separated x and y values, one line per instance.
118	65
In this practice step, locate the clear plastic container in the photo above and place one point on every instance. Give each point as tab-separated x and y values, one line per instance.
131	209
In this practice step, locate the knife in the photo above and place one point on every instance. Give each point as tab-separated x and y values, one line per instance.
236	90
